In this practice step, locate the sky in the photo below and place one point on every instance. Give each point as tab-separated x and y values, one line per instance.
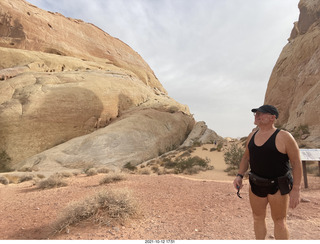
216	56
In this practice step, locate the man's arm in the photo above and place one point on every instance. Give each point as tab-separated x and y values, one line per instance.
293	152
244	165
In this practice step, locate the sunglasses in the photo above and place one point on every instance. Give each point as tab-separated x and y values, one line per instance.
238	192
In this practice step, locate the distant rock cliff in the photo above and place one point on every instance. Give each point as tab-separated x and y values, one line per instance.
63	79
294	85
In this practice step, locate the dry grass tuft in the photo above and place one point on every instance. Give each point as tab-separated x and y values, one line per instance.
106	208
91	172
4	180
53	181
112	178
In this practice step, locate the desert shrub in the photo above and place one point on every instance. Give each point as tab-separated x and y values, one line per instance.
219	146
85	166
155	168
5	161
196	143
91	172
233	156
180	165
4	180
112	178
130	167
24	178
185	154
54	181
232	172
243	141
65	174
106	208
193	170
103	170
145	171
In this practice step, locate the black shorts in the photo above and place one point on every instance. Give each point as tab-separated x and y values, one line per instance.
263	191
261	187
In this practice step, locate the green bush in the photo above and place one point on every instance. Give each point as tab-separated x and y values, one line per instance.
219	146
130	167
181	165
233	157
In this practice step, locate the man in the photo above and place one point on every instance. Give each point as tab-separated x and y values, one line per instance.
269	151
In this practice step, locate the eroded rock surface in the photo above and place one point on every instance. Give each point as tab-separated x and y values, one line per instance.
294	85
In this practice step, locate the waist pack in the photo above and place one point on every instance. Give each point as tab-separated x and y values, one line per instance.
259	181
284	183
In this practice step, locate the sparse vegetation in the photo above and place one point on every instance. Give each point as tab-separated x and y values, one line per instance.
16	179
103	170
190	165
220	146
232	157
105	208
130	167
4	180
144	171
24	178
54	181
196	143
5	161
65	174
112	178
91	172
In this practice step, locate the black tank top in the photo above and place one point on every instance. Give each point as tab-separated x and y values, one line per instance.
266	161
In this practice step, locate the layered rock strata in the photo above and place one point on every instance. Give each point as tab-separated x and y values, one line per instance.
62	79
294	85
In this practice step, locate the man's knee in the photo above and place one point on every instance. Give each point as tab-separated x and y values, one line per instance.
258	217
280	221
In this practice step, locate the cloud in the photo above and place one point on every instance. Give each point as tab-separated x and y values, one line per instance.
216	56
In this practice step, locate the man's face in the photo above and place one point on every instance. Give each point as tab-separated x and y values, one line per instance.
261	118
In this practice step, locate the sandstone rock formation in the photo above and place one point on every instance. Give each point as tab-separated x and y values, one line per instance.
294	85
58	83
134	138
24	26
202	134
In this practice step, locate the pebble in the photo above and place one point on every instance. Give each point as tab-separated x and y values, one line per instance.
305	200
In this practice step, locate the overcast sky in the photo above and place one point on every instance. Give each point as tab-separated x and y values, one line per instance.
215	56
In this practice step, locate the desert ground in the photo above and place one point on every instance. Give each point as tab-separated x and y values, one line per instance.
203	206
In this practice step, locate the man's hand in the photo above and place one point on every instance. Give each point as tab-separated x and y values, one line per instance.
294	197
237	182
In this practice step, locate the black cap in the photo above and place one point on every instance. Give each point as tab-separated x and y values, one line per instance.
269	109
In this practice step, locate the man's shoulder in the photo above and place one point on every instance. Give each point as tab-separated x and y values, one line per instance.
286	136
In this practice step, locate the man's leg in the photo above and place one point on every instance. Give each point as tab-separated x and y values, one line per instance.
259	209
279	208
